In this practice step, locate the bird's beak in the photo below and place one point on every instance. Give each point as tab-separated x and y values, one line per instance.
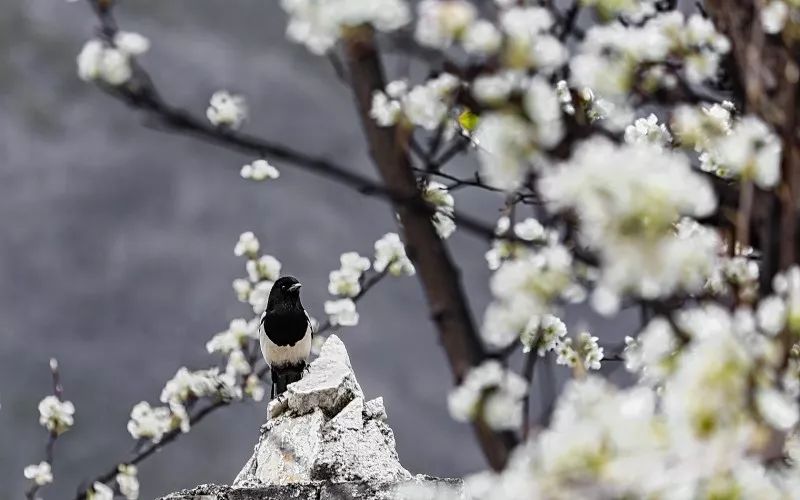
295	287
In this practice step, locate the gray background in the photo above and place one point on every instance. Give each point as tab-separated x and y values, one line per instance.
117	242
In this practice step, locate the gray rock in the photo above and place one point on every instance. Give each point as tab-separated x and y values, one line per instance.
321	430
321	441
355	490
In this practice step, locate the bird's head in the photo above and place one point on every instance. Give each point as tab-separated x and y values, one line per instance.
285	291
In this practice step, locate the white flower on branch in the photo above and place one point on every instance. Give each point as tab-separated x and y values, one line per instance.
648	130
237	364
259	170
481	38
752	152
41	473
385	111
779	409
128	481
55	415
341	312
247	245
442	21
100	61
226	110
490	393
242	289
259	296
254	388
187	385
344	283
390	253
318	24
131	43
437	195
265	267
234	338
543	334
774	16
528	44
100	491
149	423
633	10
771	315
425	105
354	262
650	353
629	201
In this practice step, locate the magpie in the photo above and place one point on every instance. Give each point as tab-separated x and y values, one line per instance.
285	334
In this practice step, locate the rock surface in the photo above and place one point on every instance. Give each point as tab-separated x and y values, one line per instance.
322	440
321	430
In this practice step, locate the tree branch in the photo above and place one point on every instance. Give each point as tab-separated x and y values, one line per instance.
437	273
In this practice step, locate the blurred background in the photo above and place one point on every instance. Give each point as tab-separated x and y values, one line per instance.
117	243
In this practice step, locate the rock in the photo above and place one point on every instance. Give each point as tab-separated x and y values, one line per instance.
321	441
323	431
357	490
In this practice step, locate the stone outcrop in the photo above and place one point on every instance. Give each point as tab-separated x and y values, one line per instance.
322	440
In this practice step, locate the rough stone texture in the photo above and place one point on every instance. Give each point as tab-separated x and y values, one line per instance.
321	430
355	490
321	442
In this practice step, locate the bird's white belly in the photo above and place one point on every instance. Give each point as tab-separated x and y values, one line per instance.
277	355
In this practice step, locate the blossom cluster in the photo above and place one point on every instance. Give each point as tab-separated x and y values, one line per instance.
111	62
745	149
425	105
318	24
491	393
346	282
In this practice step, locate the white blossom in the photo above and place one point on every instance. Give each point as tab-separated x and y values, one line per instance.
254	388
354	262
543	334
751	151
494	392
344	283
771	315
99	61
186	385
442	21
55	415
778	409
530	229
266	267
41	474
341	312
385	111
131	43
504	148
247	245
226	110
318	24
493	89
390	253
629	201
128	481
259	170
648	130
482	38
149	423
100	491
242	289
437	195
259	296
234	338
774	16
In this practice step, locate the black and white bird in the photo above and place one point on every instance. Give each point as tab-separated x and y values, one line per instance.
285	334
